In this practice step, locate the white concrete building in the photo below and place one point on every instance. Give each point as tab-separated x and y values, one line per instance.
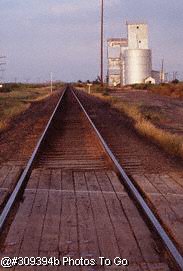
137	36
130	60
150	80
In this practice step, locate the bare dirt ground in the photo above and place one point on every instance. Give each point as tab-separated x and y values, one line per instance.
166	112
19	140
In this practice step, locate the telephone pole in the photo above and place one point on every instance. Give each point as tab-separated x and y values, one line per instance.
102	44
51	82
162	71
2	69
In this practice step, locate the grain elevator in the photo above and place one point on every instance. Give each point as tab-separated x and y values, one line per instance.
130	59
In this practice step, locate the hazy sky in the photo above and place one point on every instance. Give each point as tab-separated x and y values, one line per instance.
39	36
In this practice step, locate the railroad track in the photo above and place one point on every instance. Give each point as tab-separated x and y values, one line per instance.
73	200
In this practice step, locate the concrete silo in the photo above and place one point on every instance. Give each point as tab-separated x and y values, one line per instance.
138	58
138	65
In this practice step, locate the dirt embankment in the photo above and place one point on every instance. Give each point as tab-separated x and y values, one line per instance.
19	139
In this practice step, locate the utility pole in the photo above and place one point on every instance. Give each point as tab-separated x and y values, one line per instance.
107	63
102	44
2	70
162	71
51	82
121	67
175	75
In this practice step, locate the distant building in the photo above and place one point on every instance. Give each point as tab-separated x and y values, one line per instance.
160	77
150	80
157	76
116	48
130	60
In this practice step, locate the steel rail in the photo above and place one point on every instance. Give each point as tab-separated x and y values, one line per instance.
168	242
22	180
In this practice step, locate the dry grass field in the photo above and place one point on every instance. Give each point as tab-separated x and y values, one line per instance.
17	99
157	114
172	90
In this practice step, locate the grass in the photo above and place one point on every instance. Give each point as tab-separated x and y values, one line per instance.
153	113
172	90
18	99
143	124
95	88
